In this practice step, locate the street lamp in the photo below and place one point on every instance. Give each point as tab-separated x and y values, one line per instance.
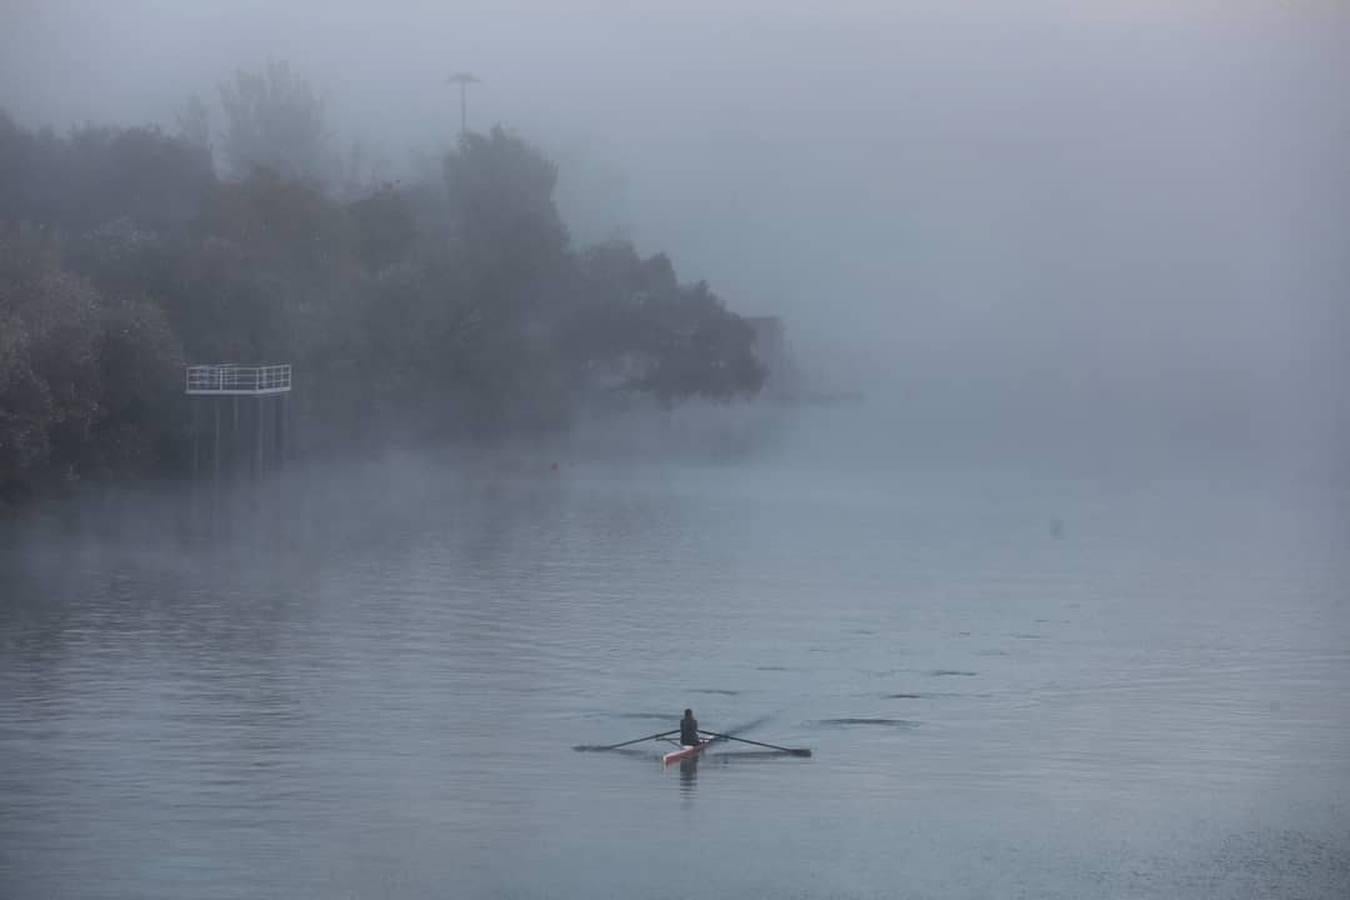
463	79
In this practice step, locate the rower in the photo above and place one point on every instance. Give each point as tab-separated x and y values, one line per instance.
689	729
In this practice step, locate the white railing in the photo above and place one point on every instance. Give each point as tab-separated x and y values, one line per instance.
235	379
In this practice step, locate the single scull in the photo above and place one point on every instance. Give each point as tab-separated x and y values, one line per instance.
692	751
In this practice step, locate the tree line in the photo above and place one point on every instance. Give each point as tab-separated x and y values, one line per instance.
437	308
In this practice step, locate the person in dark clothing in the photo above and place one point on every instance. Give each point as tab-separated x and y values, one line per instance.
689	729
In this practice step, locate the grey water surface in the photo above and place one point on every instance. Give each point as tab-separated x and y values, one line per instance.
365	681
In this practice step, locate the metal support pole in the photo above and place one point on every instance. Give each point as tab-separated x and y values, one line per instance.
234	439
215	450
258	423
278	436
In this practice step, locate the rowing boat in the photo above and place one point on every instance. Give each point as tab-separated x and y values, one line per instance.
686	751
692	751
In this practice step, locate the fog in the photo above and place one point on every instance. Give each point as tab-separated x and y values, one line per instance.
1033	585
1050	211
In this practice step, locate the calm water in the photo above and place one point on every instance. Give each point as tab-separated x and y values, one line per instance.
1014	685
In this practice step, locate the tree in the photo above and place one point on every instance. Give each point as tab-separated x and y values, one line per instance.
194	123
386	227
639	329
289	224
99	175
502	211
22	172
80	379
447	307
141	413
698	348
274	120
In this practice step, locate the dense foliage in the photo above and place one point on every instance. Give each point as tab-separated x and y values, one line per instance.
439	309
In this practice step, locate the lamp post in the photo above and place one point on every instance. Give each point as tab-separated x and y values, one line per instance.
463	79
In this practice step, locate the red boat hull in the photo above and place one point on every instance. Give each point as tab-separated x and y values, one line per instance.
684	753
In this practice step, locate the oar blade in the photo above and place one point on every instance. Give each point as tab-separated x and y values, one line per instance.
728	756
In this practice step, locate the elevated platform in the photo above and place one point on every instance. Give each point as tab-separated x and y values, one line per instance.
229	379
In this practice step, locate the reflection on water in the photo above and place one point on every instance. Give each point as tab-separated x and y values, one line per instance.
367	682
688	775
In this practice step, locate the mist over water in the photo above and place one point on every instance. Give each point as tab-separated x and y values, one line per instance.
364	680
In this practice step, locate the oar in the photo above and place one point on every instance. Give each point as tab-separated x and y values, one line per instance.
650	737
794	751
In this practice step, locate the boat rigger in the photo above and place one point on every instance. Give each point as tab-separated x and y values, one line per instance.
689	750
